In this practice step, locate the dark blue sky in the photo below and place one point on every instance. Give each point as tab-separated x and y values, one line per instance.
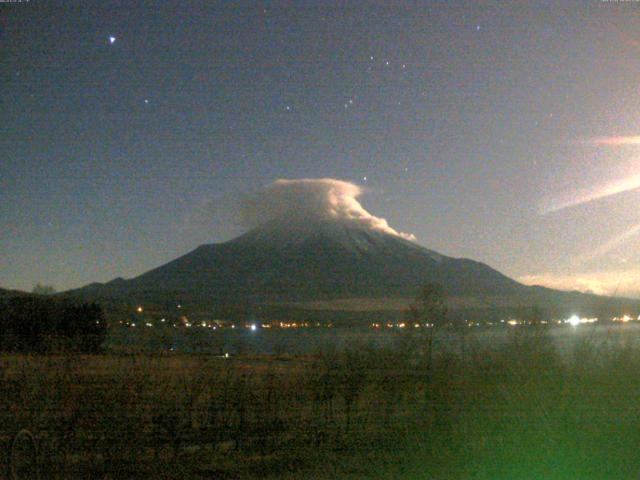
461	120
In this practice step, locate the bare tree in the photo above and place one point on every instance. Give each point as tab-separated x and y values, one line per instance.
429	313
40	289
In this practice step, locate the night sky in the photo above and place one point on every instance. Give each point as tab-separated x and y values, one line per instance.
132	131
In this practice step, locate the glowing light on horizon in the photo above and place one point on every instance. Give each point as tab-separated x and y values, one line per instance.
621	282
574	321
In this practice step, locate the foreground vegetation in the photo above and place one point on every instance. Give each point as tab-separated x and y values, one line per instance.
519	411
35	324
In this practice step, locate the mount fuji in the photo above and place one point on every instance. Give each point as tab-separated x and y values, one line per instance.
331	264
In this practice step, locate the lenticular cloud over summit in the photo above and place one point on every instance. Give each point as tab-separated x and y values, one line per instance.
312	199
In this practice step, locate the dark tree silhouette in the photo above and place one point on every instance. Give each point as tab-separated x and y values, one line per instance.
40	289
34	324
429	312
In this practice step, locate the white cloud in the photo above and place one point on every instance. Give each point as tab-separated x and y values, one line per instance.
311	199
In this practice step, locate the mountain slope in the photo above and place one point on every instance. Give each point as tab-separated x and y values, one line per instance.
334	264
12	293
322	260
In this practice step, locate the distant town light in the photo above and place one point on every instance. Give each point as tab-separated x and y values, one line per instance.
574	321
253	327
139	309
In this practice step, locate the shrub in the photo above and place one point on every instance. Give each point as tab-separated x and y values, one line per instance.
33	324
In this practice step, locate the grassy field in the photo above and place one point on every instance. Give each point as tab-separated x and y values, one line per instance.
517	412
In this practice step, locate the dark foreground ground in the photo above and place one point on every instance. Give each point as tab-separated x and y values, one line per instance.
520	411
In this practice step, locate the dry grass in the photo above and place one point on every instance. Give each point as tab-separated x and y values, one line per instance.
518	412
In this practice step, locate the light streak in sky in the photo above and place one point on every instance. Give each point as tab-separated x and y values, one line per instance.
601	191
589	195
613	243
616	141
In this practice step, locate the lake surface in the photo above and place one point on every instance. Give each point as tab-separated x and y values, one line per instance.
314	340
